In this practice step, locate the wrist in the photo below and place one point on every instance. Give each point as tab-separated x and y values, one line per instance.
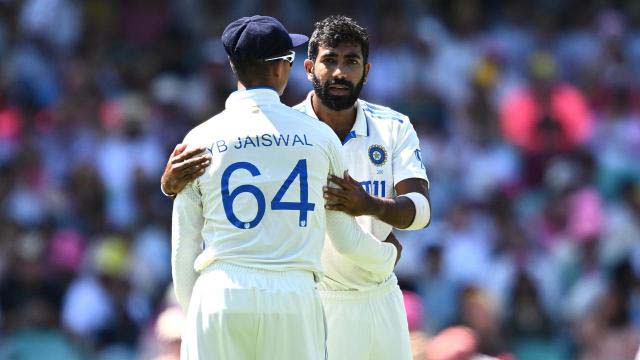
375	206
165	191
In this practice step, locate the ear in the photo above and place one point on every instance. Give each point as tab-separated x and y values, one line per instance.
308	68
367	67
277	69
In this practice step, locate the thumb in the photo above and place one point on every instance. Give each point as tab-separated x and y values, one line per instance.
179	149
348	178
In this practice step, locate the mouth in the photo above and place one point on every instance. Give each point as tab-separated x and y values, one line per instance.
339	89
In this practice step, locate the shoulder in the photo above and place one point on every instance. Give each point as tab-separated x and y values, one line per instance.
321	131
302	107
309	122
386	121
381	113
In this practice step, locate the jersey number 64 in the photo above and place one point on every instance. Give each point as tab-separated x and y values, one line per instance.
303	206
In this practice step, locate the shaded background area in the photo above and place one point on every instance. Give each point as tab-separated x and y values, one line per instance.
528	117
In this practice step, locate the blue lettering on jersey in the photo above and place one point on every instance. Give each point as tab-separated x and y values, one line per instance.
228	197
367	186
282	139
222	147
248	140
265	140
375	187
305	140
296	138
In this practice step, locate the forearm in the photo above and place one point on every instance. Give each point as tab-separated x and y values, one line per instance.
397	211
186	243
183	256
362	248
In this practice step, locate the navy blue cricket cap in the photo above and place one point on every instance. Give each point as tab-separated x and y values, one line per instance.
258	37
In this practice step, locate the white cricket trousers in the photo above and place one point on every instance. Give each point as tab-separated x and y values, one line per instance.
238	313
367	325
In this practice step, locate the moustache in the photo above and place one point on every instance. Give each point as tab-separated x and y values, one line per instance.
342	82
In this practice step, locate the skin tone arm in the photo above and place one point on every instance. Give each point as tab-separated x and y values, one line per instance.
352	199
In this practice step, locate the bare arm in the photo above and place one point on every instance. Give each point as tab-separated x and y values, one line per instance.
352	199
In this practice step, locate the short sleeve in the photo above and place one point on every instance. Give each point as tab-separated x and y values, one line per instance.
407	157
337	163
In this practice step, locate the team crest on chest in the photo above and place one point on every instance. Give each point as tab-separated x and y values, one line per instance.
377	155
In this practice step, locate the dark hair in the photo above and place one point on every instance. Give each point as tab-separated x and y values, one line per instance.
252	71
335	30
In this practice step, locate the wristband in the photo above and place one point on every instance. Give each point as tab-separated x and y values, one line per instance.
423	210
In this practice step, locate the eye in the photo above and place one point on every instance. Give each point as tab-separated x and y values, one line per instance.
329	61
354	62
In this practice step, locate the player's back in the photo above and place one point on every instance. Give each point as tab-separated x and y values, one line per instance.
262	195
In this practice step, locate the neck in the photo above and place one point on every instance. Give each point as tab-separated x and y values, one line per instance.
340	121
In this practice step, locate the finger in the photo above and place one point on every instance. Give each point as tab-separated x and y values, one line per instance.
179	149
179	167
337	207
192	176
336	201
333	193
338	181
188	154
190	171
352	181
194	161
347	182
335	179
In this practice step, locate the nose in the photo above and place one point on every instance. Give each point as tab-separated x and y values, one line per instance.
338	73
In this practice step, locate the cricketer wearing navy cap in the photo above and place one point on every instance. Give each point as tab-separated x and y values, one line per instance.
258	37
247	233
253	44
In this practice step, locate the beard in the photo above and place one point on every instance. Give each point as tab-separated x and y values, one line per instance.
337	102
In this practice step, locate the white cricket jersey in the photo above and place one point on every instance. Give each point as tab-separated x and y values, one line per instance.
381	150
260	203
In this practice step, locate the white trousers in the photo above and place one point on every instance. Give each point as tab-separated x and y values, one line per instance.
239	313
367	325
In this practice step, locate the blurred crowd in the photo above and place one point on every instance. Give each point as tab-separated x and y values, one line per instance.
529	120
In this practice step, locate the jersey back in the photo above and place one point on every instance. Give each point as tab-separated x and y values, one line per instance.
262	195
